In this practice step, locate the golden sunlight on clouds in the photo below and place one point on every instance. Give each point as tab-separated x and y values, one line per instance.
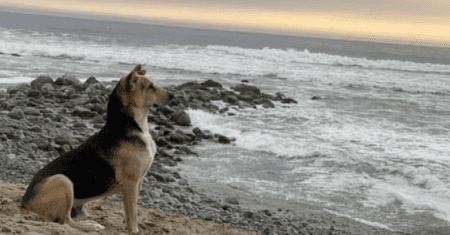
380	28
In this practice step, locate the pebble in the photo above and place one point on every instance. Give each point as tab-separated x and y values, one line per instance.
16	113
82	112
31	111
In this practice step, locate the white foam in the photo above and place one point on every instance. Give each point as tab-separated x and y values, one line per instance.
374	224
288	63
251	137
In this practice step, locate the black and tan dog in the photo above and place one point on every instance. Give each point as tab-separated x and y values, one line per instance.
115	160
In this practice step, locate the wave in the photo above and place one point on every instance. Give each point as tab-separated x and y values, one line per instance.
63	56
279	63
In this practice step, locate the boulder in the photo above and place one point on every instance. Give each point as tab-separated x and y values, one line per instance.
199	133
247	90
211	83
177	137
41	81
288	101
189	85
182	118
91	80
67	80
224	139
231	99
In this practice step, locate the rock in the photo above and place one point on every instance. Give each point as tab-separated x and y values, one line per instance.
212	108
41	143
280	95
268	96
243	104
98	126
41	81
98	120
249	215
268	105
231	200
244	81
82	112
63	139
245	98
97	99
231	99
80	100
33	93
211	83
66	80
177	137
11	157
189	85
4	94
288	101
187	150
168	162
223	139
32	111
161	142
91	80
316	97
265	103
181	118
158	177
166	110
100	109
47	89
16	113
198	132
223	110
79	125
248	90
19	88
15	54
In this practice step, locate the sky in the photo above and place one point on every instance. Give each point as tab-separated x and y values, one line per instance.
415	22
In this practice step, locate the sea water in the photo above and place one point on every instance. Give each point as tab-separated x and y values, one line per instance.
373	146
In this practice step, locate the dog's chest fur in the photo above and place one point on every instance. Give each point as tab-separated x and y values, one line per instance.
150	150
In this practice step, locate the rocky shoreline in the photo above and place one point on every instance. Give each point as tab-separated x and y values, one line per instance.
48	117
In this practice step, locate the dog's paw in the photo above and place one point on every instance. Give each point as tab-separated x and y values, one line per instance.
94	225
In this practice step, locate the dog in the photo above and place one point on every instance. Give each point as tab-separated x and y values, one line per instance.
114	160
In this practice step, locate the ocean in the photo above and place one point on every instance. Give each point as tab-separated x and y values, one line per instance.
373	147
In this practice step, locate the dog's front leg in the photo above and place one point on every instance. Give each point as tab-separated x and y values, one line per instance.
129	198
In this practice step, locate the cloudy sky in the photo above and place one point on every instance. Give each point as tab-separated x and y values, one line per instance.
419	22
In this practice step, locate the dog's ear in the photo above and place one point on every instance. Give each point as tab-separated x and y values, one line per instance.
139	69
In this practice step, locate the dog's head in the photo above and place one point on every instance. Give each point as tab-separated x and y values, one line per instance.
138	90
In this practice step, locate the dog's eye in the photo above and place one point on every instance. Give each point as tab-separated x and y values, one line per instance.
151	87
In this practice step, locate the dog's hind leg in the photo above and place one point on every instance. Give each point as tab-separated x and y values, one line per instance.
53	201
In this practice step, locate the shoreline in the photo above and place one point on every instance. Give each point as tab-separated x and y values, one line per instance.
32	137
